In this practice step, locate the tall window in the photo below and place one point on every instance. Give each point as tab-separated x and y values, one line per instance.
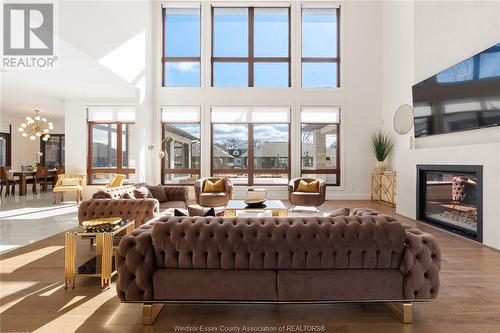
320	48
181	47
111	143
251	145
320	157
5	149
53	151
180	144
250	47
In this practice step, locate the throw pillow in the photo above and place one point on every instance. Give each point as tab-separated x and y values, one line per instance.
179	213
142	193
127	195
340	212
200	211
364	212
312	187
70	182
117	181
217	186
158	192
210	212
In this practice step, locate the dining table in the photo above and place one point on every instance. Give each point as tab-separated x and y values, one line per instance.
24	175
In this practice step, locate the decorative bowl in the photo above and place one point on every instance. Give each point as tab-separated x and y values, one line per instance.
255	203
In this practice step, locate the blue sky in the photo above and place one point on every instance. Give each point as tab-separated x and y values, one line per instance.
489	66
182	30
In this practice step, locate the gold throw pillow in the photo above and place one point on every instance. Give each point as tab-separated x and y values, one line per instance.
211	187
312	187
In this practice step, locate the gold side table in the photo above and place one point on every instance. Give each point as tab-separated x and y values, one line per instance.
102	263
384	188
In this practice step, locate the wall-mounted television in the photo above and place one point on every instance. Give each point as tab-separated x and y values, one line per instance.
463	97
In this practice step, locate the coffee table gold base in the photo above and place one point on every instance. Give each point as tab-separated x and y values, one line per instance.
275	212
104	252
277	208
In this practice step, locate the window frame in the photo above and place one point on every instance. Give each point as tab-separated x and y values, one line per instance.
337	170
119	151
8	148
165	59
336	60
59	151
250	170
250	60
164	171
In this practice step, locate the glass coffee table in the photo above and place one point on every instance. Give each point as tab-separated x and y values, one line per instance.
275	206
103	264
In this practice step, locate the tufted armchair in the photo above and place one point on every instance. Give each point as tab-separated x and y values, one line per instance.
361	257
213	199
305	198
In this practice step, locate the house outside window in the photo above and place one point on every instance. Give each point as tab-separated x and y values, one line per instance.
111	138
320	151
251	145
181	144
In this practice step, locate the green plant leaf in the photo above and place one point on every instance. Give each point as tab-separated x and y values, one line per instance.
382	145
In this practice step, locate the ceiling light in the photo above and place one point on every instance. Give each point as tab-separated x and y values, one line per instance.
36	127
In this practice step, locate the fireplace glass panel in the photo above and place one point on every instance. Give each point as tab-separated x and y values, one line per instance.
451	198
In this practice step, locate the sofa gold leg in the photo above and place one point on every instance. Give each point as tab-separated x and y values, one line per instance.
403	310
150	311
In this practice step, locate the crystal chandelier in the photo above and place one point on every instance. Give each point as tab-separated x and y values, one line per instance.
36	127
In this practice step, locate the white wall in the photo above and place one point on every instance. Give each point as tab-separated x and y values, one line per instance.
119	45
444	33
398	66
75	118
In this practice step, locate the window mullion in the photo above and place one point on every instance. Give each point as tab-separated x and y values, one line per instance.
119	154
250	46
250	162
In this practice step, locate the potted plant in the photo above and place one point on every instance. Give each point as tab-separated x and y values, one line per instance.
382	145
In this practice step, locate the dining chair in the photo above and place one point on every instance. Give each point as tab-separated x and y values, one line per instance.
59	171
7	180
41	177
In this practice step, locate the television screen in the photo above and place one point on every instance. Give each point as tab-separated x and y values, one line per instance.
463	97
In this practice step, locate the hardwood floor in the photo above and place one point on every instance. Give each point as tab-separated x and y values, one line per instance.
33	297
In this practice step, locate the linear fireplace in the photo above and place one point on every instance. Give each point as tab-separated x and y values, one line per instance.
451	197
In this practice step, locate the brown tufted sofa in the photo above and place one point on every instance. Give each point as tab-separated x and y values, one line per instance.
362	257
108	203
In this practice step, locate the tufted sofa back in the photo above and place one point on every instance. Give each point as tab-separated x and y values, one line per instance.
346	242
140	210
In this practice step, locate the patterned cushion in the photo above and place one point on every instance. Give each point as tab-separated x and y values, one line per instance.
142	193
127	195
70	182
